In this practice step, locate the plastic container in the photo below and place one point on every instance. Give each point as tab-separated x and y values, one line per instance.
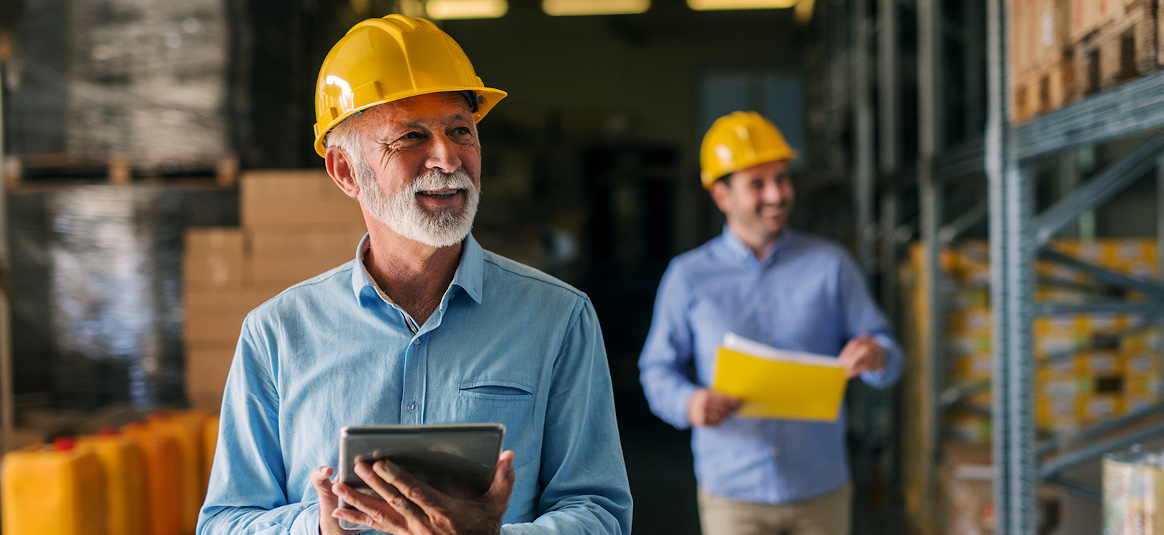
188	427
163	458
209	445
56	490
125	481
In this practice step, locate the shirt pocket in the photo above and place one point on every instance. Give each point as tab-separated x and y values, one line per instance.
508	403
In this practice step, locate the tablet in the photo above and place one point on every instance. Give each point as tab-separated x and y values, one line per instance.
456	459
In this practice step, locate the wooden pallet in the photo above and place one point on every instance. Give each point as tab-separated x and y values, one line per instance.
1118	50
1043	89
117	169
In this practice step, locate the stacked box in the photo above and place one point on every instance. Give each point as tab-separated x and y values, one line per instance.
966	492
1042	69
1133	493
295	225
1113	41
1091	367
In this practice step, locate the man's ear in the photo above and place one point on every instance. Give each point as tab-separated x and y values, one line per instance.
342	171
720	191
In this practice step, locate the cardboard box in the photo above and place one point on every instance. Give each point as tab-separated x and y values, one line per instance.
214	257
206	372
1133	495
213	327
302	213
216	301
289	270
332	242
295	198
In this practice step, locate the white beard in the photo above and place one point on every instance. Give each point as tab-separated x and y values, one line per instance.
405	216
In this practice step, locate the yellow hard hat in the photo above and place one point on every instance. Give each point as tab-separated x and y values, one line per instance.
387	59
738	141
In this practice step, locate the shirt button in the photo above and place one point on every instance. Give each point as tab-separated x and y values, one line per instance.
413	406
776	451
416	342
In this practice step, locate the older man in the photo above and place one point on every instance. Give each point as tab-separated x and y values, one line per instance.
422	327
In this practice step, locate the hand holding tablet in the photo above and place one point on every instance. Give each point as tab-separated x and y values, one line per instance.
393	477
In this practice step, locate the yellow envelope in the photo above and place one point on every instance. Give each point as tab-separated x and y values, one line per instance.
779	384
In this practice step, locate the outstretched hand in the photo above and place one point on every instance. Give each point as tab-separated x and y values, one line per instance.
862	354
411	507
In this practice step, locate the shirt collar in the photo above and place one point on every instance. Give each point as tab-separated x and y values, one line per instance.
469	275
737	250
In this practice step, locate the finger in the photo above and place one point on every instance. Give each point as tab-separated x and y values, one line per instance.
368	510
320	479
378	522
376	482
410	495
503	478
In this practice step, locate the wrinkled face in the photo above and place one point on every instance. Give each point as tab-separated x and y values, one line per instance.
420	168
756	201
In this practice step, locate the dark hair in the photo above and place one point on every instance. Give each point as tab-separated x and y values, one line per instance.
472	98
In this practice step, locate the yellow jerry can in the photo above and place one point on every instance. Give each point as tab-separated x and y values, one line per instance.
53	489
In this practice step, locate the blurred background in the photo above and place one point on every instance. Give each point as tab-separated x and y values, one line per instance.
993	166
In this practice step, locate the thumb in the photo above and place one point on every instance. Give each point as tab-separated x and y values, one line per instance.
503	478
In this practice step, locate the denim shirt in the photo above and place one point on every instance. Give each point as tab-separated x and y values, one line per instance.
507	344
807	296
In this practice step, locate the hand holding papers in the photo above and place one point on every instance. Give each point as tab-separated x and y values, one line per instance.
775	383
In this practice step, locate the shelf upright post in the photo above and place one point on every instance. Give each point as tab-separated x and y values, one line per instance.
7	398
929	19
889	133
864	169
1012	268
1159	349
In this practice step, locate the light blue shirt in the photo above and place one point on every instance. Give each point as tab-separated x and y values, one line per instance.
507	344
808	296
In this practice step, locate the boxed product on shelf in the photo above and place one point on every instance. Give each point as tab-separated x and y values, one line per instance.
1090	367
1133	492
1116	41
1041	66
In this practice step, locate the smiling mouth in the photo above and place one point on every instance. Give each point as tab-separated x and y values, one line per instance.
440	194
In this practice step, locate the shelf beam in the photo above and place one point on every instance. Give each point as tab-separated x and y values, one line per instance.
1106	276
1057	464
1134	107
1112	180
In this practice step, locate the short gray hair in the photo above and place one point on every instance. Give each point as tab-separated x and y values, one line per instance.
346	136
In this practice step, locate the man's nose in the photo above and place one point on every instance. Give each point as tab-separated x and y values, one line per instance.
443	156
773	193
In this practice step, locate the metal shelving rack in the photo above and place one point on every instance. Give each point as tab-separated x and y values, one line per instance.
1017	236
1006	156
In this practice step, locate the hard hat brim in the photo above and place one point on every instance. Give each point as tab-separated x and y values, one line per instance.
489	98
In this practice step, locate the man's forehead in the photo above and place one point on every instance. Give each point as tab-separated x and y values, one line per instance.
772	168
422	108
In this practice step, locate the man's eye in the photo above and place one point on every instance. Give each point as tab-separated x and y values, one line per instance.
462	131
411	135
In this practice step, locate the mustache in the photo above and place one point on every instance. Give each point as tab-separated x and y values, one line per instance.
436	180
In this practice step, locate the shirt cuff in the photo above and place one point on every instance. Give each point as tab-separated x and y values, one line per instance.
307	521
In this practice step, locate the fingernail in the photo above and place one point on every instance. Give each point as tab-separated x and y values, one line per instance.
386	470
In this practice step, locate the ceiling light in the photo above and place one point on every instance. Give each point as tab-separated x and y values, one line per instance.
594	7
466	9
708	5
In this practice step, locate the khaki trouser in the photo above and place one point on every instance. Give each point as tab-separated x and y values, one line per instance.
823	515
